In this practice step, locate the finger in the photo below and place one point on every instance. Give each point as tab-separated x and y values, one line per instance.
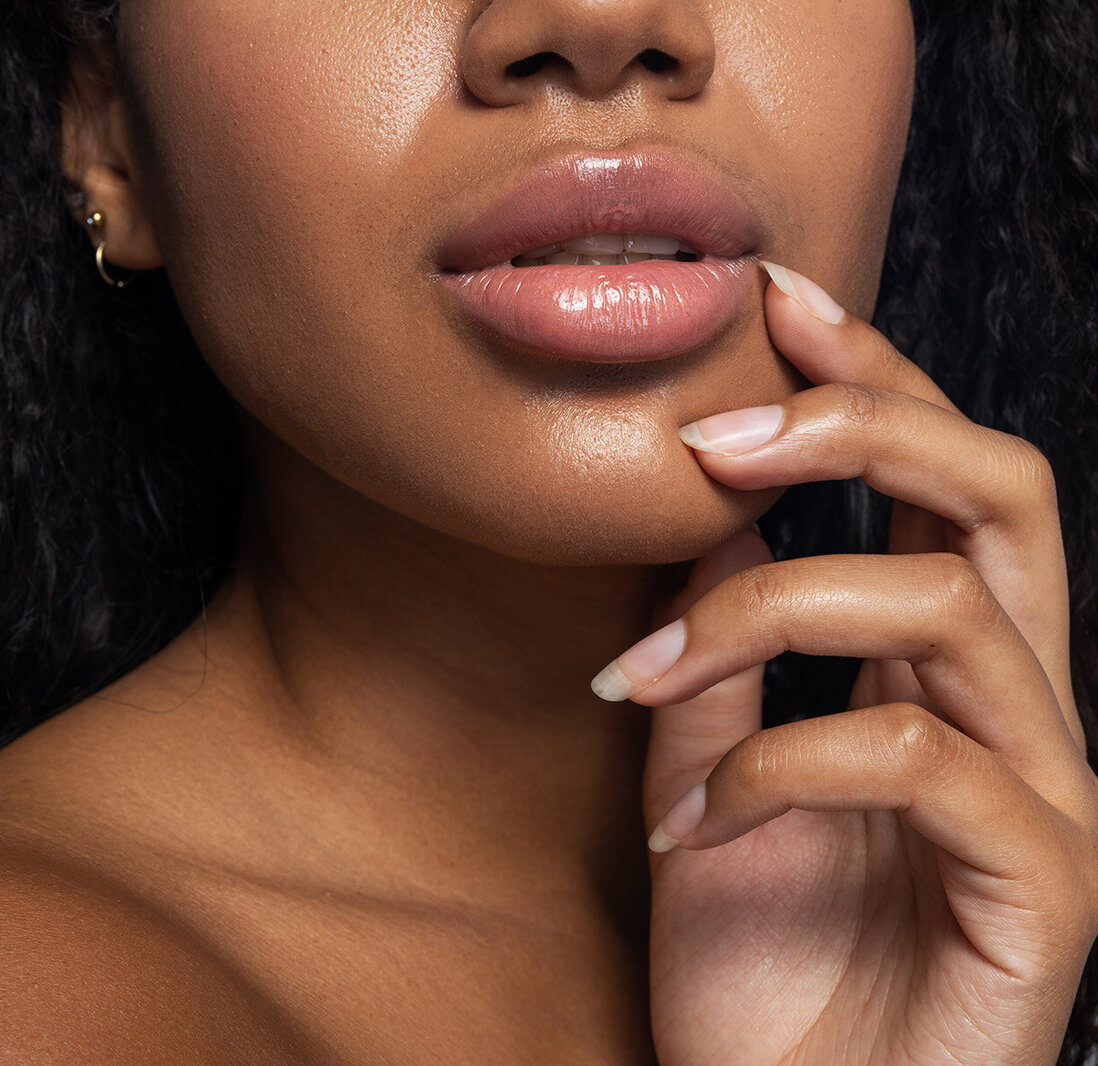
744	548
687	738
840	346
997	489
1011	531
1016	850
934	611
898	444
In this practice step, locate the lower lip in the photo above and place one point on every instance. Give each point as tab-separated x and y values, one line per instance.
623	313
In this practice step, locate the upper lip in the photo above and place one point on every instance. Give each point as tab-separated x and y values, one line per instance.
644	191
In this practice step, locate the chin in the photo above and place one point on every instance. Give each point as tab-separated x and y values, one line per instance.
658	517
603	486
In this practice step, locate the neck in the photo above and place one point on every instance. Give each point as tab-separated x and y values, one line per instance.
451	684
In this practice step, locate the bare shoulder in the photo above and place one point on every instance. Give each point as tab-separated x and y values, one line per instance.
89	973
94	968
139	920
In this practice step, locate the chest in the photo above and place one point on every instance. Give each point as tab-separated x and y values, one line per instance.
367	982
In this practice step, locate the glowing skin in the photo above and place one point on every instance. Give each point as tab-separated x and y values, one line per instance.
299	187
446	535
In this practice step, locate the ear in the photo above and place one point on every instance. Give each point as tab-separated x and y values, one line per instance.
98	159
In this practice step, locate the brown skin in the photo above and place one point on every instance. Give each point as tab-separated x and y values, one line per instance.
373	789
916	880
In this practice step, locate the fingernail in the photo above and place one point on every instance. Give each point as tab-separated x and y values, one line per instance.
645	662
678	823
807	293
734	431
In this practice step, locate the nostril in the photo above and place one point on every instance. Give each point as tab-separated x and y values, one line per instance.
523	68
652	59
516	49
657	61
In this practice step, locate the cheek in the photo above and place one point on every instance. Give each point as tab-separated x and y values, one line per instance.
301	158
829	83
262	116
280	142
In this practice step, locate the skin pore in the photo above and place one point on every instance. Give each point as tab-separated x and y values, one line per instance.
384	723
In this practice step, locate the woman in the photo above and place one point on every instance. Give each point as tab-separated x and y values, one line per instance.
363	806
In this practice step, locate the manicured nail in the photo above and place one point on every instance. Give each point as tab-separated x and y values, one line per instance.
734	431
679	822
807	293
645	662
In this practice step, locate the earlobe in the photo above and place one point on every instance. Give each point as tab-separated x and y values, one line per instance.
97	222
127	229
98	160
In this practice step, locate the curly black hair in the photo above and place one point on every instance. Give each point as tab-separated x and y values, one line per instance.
121	464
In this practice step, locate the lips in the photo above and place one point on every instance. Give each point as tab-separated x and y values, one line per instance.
612	313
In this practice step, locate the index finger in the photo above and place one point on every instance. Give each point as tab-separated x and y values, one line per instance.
850	350
1019	551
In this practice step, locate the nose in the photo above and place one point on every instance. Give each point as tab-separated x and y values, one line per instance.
594	47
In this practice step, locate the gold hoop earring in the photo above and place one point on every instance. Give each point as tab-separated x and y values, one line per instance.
103	270
96	221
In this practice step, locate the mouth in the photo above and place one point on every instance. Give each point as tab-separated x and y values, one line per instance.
609	249
606	258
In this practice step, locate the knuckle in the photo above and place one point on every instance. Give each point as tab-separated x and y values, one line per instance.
1031	468
751	762
962	590
1017	481
762	592
858	404
911	736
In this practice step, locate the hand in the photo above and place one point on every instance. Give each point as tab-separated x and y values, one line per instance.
915	880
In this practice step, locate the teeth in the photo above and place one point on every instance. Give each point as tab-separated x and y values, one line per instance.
600	245
595	244
587	260
652	244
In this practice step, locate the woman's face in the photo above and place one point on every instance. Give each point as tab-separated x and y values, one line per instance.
304	163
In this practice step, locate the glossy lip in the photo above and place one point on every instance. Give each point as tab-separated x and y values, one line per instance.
613	313
644	191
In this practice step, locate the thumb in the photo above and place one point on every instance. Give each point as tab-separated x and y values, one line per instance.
688	739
